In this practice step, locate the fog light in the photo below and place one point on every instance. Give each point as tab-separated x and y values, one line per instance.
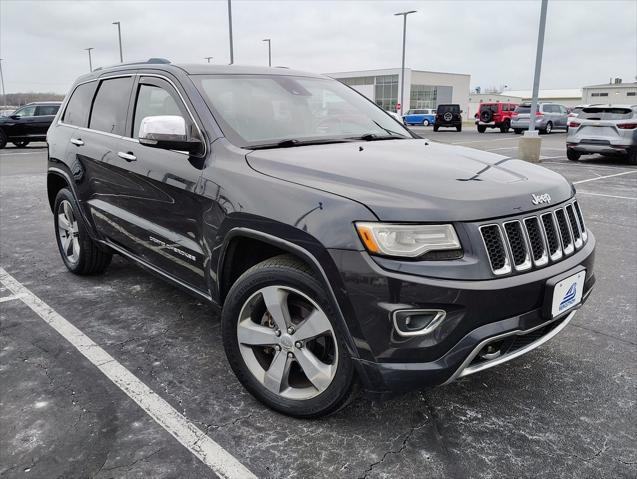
415	322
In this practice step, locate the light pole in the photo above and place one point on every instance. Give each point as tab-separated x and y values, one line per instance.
90	61
207	58
402	68
538	65
4	96
230	30
119	35
269	51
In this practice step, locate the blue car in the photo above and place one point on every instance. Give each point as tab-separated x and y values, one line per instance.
424	117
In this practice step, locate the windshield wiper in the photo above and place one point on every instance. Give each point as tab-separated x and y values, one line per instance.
375	137
292	142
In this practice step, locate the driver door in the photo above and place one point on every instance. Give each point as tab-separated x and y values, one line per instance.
25	122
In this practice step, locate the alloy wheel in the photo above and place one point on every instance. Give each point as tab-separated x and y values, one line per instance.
287	342
68	232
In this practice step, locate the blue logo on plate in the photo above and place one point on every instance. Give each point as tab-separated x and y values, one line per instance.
569	297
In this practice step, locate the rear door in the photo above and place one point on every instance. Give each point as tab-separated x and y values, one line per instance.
44	117
146	201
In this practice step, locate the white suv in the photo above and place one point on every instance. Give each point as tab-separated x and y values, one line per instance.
605	130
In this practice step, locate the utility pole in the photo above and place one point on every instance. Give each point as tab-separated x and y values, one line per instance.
230	31
4	96
269	51
90	61
402	68
119	35
538	64
207	58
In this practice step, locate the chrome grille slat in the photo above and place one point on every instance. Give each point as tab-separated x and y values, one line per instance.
520	244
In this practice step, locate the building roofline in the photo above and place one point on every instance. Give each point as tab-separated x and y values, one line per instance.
613	85
396	69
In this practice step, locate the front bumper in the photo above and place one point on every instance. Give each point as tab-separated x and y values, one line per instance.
478	312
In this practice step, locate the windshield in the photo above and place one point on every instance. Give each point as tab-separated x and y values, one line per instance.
489	106
523	109
262	110
446	108
606	113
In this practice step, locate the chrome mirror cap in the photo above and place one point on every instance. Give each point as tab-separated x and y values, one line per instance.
163	128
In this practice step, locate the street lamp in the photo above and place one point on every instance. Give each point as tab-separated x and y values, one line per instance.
119	35
4	96
230	31
90	61
402	69
269	51
538	65
207	58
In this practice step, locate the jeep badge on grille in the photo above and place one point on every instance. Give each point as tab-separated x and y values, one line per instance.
539	199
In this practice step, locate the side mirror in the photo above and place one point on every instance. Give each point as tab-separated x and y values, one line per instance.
167	132
15	117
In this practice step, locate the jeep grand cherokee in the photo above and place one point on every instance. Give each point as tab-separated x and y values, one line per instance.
340	248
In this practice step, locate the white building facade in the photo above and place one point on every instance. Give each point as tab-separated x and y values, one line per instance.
613	93
423	89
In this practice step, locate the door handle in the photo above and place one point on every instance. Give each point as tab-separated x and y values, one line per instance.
127	156
77	141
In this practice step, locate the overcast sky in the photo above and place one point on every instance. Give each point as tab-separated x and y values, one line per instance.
587	41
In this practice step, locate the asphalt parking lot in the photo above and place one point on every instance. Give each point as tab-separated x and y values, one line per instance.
566	409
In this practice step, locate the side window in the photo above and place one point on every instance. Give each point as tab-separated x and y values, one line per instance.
46	110
154	101
26	111
505	107
110	106
76	112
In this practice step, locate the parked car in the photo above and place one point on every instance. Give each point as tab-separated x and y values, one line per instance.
603	129
339	252
495	115
424	117
448	116
394	115
27	124
548	117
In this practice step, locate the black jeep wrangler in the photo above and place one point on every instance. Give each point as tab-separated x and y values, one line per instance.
448	116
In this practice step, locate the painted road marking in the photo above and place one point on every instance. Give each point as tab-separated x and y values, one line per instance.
193	438
21	153
4	299
482	141
580	192
602	177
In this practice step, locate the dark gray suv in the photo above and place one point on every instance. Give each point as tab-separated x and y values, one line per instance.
339	249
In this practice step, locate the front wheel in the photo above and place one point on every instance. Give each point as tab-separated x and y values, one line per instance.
80	253
425	123
459	128
548	129
282	342
21	144
517	131
436	127
3	139
632	156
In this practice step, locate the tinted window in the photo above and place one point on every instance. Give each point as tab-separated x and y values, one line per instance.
445	108
76	112
44	110
153	101
486	106
26	111
523	109
111	106
606	113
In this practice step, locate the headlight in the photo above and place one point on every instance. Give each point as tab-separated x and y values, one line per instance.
407	241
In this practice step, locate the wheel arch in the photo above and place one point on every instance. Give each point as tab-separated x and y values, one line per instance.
232	264
55	181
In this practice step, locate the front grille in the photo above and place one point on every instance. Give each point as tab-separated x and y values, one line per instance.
523	243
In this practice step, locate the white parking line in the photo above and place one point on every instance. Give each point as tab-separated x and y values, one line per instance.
602	177
486	140
580	192
193	438
4	299
20	153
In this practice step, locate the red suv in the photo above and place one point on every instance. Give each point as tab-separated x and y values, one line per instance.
495	115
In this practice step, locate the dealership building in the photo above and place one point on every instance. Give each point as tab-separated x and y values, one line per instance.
614	93
423	89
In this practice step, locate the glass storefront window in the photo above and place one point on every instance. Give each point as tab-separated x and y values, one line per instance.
423	96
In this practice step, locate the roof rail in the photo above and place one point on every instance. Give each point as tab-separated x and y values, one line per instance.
155	61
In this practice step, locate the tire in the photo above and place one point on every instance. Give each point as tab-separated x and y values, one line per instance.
21	144
632	156
91	258
505	127
287	281
548	129
459	128
572	155
436	127
517	131
3	139
482	128
425	122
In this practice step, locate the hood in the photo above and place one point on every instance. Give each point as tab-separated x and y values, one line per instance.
416	180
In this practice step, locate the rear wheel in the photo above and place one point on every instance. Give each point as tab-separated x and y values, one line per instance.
572	155
281	340
435	127
548	129
3	139
459	128
632	156
505	127
517	131
80	253
21	144
482	129
425	122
